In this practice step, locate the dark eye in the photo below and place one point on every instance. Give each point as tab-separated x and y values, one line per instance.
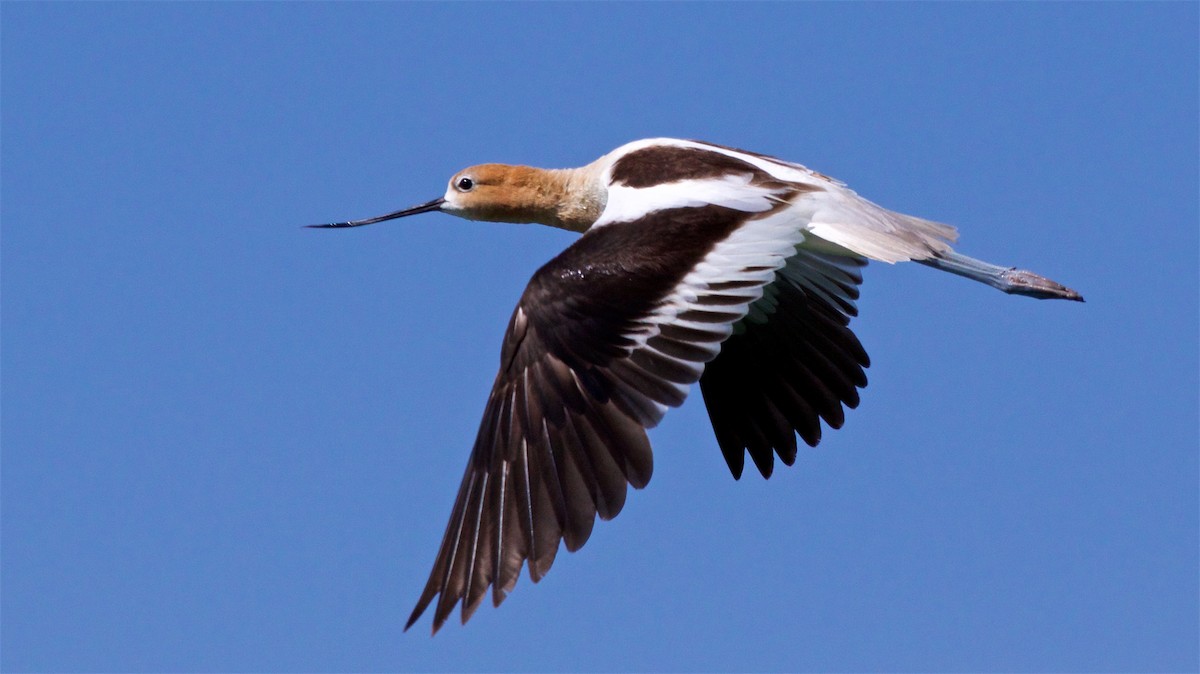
464	184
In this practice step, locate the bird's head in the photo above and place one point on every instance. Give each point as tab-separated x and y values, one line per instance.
565	198
503	193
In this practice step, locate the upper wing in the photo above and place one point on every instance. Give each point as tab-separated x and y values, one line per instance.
605	338
825	207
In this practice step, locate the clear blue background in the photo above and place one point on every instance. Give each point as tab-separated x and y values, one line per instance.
232	444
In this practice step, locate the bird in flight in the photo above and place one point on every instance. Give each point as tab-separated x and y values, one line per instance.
697	263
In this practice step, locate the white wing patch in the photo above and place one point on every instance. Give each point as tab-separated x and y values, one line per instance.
831	278
687	328
626	204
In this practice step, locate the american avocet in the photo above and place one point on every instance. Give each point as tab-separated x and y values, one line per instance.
698	262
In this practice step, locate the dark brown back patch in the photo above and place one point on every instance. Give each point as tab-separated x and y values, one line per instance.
661	164
760	155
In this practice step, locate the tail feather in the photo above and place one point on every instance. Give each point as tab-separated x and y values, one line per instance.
879	234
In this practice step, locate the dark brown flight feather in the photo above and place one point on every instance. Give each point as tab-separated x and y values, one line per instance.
564	427
778	378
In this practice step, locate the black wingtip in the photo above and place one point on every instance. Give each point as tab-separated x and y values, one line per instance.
419	610
416	615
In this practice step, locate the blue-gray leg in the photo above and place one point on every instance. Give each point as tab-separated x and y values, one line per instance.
1009	279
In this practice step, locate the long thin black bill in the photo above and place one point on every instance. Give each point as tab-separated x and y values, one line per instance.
423	208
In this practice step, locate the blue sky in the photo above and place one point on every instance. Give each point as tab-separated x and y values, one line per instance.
232	444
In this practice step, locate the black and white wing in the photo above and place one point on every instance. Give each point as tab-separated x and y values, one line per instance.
605	338
700	251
